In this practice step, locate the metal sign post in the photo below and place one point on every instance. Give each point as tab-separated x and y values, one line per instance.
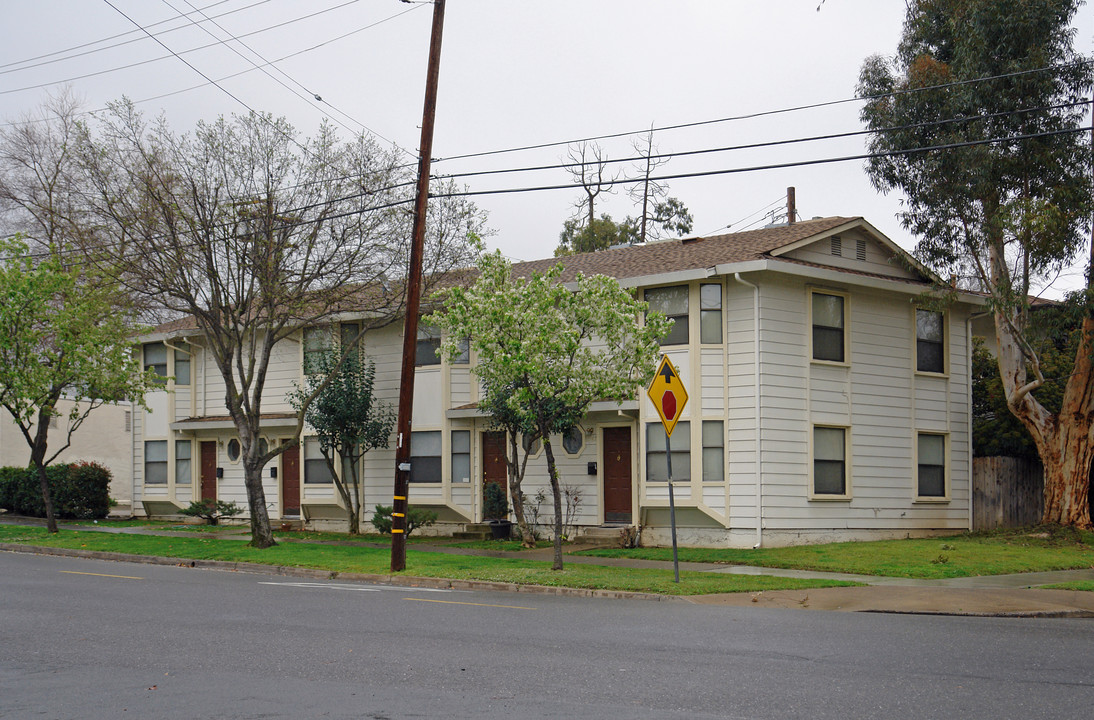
669	396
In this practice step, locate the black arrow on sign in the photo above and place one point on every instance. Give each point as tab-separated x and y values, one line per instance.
666	371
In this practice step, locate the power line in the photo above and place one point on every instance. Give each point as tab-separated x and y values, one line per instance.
172	53
625	181
262	69
769	143
114	37
763	113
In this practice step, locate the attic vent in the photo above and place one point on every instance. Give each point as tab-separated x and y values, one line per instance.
860	250
837	246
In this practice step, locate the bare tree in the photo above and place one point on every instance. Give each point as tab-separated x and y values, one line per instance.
257	233
589	169
658	212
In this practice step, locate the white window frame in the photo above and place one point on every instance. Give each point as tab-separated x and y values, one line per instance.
846	325
847	455
414	456
945	496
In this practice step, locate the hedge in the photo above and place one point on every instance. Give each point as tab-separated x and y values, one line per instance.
80	491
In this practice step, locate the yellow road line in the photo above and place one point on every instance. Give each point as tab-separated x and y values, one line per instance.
123	577
455	602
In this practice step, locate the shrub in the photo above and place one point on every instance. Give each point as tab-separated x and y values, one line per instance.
211	510
495	506
80	491
415	518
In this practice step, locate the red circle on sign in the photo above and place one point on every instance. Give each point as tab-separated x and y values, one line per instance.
668	405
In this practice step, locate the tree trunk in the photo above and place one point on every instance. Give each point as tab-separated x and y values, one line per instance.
1065	441
556	492
1069	442
37	459
261	533
516	477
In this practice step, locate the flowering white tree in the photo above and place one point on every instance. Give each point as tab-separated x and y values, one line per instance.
550	349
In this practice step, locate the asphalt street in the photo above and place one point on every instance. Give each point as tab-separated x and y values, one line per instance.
91	639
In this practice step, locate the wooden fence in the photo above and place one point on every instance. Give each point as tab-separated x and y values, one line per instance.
1006	492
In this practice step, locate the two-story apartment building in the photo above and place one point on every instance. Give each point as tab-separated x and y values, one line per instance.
828	400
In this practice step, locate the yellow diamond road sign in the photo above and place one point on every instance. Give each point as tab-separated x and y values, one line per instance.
668	394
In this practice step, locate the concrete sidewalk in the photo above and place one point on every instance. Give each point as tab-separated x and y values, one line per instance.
995	595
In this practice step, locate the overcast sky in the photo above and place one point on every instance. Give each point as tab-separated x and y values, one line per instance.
514	73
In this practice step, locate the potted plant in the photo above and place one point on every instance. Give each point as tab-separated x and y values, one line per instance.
495	510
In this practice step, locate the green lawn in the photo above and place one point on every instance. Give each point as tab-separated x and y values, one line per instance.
1086	585
995	553
365	559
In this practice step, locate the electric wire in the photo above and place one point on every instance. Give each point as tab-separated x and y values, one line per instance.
764	113
706	173
113	37
263	69
172	53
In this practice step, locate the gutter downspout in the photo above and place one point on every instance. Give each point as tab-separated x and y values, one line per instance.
756	398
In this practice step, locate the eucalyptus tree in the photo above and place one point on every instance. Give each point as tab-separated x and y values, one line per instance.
979	121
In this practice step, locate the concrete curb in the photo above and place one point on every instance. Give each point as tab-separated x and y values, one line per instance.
313	574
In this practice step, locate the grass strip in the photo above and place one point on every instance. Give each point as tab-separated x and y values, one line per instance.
1085	585
363	559
1002	552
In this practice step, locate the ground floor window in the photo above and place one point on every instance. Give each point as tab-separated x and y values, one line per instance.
316	470
425	456
931	457
714	466
461	456
657	456
829	461
155	462
182	462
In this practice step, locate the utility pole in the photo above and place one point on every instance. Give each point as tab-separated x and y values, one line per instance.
413	300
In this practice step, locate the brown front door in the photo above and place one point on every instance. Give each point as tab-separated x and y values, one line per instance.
494	469
617	474
208	470
290	481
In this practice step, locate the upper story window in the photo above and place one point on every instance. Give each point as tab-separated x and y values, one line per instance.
710	313
465	352
829	318
672	302
317	341
348	332
930	345
182	364
155	358
429	343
